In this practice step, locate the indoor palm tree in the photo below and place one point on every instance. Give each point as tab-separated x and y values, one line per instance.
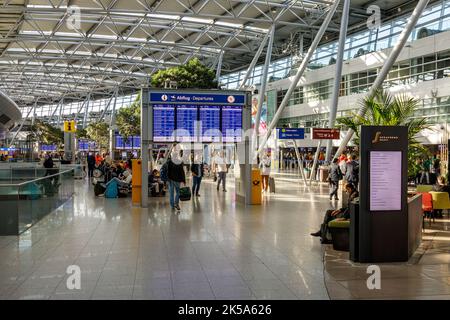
384	109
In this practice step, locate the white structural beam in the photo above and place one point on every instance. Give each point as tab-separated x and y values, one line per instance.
412	21
300	72
338	76
254	61
262	89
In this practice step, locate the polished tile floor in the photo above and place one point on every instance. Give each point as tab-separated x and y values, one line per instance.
215	248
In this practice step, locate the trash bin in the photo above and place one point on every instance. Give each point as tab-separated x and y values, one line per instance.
256	187
323	173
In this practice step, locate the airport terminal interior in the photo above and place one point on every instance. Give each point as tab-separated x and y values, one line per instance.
224	150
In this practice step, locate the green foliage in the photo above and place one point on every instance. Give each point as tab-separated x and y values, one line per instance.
47	134
128	119
81	134
192	75
98	132
385	110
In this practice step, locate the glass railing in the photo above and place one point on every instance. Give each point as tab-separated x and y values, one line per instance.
24	204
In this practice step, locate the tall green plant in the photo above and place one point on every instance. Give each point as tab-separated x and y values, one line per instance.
128	119
47	134
98	132
383	109
192	75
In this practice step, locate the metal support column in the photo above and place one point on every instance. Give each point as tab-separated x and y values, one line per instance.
300	72
338	76
219	65
86	111
254	61
58	123
387	65
144	149
262	89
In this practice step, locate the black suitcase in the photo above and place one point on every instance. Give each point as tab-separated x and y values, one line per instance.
272	184
99	189
185	194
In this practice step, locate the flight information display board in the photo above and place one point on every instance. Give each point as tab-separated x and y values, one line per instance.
197	117
186	120
48	147
231	123
163	123
132	143
210	123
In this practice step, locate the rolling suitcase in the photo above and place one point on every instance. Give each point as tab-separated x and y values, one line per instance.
272	184
185	194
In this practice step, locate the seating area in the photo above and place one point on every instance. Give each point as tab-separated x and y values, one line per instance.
433	202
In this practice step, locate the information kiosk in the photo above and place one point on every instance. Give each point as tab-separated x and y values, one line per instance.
195	118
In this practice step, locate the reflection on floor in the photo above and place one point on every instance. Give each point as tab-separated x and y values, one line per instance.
425	276
214	249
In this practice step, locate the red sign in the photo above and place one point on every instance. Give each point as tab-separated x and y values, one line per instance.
325	133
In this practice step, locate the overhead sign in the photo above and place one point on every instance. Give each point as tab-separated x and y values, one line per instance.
326	133
197	116
291	133
69	126
210	98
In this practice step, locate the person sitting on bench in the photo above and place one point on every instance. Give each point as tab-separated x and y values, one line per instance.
124	180
339	214
155	183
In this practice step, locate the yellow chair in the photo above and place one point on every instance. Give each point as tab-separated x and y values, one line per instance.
424	188
441	200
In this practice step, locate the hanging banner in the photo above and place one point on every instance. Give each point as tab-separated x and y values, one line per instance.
326	133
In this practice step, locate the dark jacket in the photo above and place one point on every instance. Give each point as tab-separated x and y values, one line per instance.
90	161
352	171
175	172
335	173
197	169
48	163
345	212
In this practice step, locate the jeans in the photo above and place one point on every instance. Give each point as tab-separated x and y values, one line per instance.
223	179
90	171
174	193
334	185
196	181
425	176
120	183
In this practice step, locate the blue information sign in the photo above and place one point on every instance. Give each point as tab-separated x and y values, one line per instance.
192	117
197	98
291	133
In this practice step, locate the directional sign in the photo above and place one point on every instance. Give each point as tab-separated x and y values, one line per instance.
326	133
291	133
69	126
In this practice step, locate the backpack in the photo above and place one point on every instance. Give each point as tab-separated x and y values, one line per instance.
164	172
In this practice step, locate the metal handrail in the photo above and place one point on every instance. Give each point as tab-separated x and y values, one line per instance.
38	179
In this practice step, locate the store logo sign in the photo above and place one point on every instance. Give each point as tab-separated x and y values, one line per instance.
380	138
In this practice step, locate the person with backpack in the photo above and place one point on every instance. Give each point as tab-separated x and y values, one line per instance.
334	177
352	171
90	160
175	178
265	165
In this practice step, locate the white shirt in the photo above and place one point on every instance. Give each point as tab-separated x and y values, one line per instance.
265	166
221	164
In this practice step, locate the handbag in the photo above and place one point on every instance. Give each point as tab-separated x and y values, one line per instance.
185	193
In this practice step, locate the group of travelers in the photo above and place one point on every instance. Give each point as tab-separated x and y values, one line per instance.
430	169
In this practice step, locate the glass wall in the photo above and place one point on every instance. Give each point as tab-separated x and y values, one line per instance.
435	18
